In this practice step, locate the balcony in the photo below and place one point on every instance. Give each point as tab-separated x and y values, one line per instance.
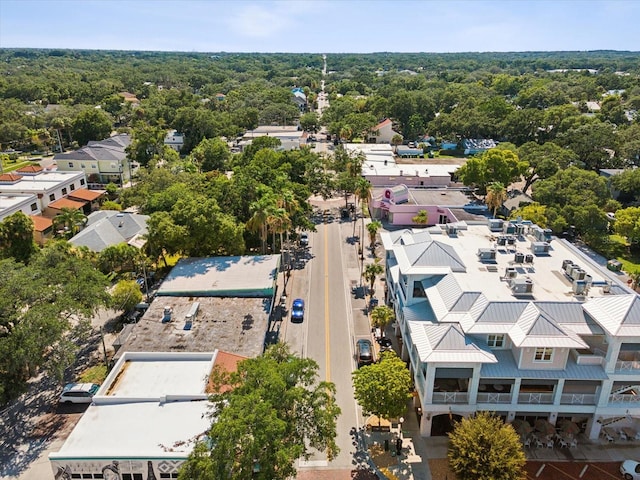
578	399
537	397
628	362
624	398
494	397
588	356
450	397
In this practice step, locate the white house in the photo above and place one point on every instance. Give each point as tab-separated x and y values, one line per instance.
502	317
382	133
174	140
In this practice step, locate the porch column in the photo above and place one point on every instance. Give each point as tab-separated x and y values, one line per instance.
557	396
474	382
515	391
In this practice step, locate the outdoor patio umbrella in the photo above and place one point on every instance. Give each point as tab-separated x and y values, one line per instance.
522	427
544	427
569	427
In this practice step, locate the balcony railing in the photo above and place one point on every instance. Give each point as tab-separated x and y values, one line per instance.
535	398
578	399
627	365
620	398
450	397
494	398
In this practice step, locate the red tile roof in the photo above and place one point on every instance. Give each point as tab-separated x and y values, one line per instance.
40	223
67	203
30	169
86	194
10	177
381	124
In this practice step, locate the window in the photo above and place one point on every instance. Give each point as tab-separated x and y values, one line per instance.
543	354
64	191
495	341
82	181
72	187
70	164
52	197
34	207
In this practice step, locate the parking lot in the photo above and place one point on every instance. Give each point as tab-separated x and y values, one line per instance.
573	471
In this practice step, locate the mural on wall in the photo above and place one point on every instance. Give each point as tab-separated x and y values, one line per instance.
114	470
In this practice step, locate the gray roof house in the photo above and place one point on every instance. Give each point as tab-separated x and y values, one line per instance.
109	227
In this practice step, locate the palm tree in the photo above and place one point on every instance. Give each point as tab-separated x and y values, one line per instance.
373	228
422	218
371	272
278	222
70	220
363	190
395	141
382	316
496	196
260	212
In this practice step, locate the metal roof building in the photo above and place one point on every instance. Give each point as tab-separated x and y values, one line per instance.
502	316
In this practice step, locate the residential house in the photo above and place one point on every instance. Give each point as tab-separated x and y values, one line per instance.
174	140
290	136
103	162
106	228
382	133
300	99
503	317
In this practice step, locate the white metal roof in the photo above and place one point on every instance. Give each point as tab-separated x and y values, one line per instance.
618	314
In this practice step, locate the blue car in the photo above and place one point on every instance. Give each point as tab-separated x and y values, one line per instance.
297	310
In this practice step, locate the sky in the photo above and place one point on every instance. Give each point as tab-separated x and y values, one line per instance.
322	26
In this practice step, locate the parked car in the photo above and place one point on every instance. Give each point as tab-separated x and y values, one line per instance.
364	352
385	343
297	310
630	470
304	239
78	392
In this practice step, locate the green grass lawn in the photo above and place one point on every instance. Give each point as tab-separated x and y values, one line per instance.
618	248
11	166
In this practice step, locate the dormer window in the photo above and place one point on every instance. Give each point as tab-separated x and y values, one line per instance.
495	341
543	354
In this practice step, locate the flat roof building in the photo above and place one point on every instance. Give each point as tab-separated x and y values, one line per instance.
146	417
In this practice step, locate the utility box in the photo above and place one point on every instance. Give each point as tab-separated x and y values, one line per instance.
614	265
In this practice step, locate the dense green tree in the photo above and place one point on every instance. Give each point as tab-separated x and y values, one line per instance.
381	316
146	142
91	124
16	238
543	161
627	183
383	388
274	412
422	218
126	295
594	144
627	223
310	122
121	257
495	165
533	212
38	305
69	221
211	154
483	447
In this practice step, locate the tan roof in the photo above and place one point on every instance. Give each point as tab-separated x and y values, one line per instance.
86	194
40	223
66	203
228	362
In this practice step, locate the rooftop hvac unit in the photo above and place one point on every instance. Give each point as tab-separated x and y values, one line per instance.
547	232
565	264
578	274
509	228
579	287
511	240
570	268
606	288
510	272
540	247
528	258
502	241
521	285
487	254
518	257
452	229
495	224
521	229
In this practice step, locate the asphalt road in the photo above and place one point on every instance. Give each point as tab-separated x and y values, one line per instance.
333	321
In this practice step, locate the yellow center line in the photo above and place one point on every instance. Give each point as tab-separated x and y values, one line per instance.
326	305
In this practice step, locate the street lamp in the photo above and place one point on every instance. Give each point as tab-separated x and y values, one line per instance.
400	422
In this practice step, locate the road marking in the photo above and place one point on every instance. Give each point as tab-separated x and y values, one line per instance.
326	305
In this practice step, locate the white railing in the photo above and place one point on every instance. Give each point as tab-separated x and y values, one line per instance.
450	397
619	398
494	398
589	360
535	398
420	384
628	365
578	399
